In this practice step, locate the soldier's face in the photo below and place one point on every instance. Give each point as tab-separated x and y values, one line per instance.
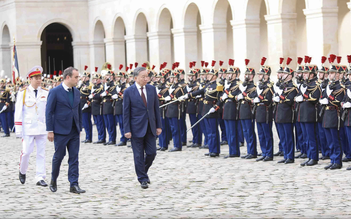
349	76
321	75
332	76
266	77
306	75
181	76
35	81
260	77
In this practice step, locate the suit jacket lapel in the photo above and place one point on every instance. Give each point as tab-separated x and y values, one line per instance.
148	94
138	96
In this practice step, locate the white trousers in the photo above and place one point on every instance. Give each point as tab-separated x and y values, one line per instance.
27	149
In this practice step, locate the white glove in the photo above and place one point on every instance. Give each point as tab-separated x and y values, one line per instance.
188	88
259	91
256	100
91	96
227	85
103	94
348	93
346	105
276	99
92	90
85	106
224	96
200	87
184	97
299	99
328	91
240	97
324	101
198	96
170	90
303	89
3	108
168	98
157	90
280	91
242	88
212	110
115	96
107	87
118	89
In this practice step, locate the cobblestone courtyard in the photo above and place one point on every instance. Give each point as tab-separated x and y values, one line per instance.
183	185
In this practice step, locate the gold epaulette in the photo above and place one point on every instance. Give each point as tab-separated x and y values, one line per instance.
343	86
23	89
44	89
270	84
219	87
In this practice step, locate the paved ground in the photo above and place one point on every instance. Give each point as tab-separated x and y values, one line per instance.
183	185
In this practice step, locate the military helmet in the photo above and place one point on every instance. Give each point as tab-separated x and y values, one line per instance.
191	70
204	70
221	69
230	69
97	76
287	69
322	69
85	73
333	67
281	67
265	70
213	71
299	68
349	61
249	71
120	72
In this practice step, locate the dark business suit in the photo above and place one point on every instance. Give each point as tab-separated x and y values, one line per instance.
64	118
142	122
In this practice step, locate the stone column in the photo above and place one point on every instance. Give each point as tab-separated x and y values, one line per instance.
246	44
115	52
81	56
185	47
28	55
214	42
281	30
160	48
97	54
136	49
322	31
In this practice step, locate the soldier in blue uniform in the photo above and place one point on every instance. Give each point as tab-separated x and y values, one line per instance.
203	83
4	106
307	113
323	83
331	101
107	106
346	105
245	106
284	113
231	90
85	87
222	81
194	85
96	101
173	111
183	105
263	112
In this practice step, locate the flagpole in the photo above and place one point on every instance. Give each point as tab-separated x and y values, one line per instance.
49	66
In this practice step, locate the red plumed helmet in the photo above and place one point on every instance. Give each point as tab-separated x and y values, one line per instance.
206	64
202	63
299	60
309	60
281	60
288	60
332	58
109	66
194	63
96	69
127	68
247	61
349	58
51	76
323	59
144	65
85	68
263	60
306	59
220	63
60	72
120	67
190	64
130	66
338	59
136	64
213	63
153	67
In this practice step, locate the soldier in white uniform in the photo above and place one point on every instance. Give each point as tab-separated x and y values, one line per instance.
30	124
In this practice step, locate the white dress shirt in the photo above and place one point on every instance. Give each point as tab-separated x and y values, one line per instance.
65	86
139	89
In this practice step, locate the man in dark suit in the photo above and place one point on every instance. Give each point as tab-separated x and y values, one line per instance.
142	122
64	124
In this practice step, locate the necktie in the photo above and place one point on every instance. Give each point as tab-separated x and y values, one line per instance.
36	93
143	96
70	96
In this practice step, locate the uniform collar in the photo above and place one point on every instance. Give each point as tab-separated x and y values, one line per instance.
32	88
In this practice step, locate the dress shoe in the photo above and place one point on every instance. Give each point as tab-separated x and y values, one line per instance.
99	142
244	156
22	177
281	154
42	183
121	143
159	148
298	150
148	182
207	154
324	158
6	135
303	156
214	155
86	141
335	166
345	159
204	147
260	154
183	143
304	163
53	186
231	156
76	189
312	162
289	161
175	149
110	143
327	167
268	159
281	161
144	185
348	168
250	156
298	156
277	154
224	142
163	149
260	159
196	145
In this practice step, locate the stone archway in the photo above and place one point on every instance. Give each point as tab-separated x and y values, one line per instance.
5	53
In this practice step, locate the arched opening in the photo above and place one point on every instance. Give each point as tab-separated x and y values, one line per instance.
301	34
6	51
166	43
120	53
230	40
56	48
344	30
263	30
99	52
193	38
142	44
